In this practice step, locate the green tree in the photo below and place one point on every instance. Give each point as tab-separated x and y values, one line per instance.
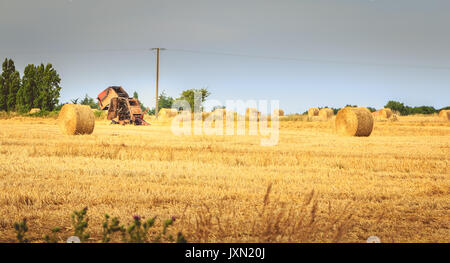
48	81
397	106
218	107
371	109
9	85
164	101
136	96
89	102
3	94
188	95
28	91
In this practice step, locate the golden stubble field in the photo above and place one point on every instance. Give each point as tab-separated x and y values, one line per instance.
314	186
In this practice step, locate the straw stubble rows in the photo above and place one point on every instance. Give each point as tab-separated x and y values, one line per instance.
394	184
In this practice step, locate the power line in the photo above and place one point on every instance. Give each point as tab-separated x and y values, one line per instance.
320	61
310	60
73	51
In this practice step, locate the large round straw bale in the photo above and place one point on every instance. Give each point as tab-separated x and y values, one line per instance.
167	113
34	110
351	121
313	112
76	119
326	113
445	115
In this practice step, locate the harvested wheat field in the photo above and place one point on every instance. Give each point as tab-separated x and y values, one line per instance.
314	186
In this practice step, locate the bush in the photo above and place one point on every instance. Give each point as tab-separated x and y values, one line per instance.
421	110
100	115
44	114
371	109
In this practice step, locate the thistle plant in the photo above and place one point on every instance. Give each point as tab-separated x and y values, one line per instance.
52	238
166	224
112	228
181	238
21	229
80	224
138	231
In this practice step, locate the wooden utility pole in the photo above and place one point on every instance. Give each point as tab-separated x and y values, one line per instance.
157	81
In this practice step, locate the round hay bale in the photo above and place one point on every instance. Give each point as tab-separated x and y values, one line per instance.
254	111
167	113
377	114
279	111
220	111
313	112
352	121
394	117
385	113
34	110
206	115
252	114
445	115
326	114
74	119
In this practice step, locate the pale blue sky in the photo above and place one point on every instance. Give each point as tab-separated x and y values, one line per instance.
301	52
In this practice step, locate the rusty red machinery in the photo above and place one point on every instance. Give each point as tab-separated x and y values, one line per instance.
121	108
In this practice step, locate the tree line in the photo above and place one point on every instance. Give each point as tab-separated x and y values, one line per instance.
399	107
39	87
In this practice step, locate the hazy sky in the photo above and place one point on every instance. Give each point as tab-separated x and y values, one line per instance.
301	52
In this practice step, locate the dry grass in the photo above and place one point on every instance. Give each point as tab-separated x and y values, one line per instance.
313	186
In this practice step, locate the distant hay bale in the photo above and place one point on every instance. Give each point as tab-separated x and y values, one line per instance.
252	115
385	113
252	112
279	111
394	117
34	110
326	114
167	113
206	115
377	113
313	112
444	115
352	121
220	111
249	111
74	119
